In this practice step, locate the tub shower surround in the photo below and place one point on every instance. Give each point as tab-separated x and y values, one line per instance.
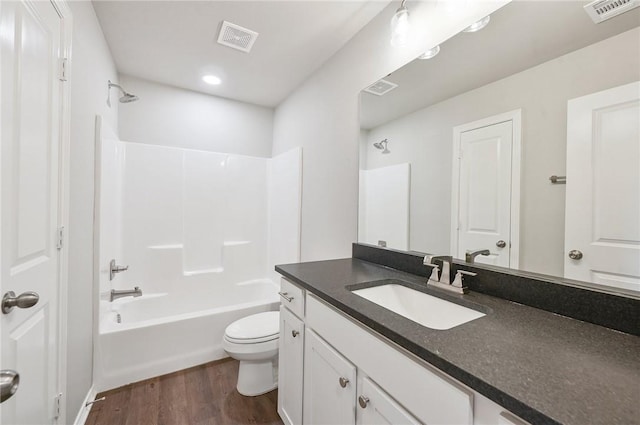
196	230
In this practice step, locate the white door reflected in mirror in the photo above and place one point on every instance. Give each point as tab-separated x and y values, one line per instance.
603	188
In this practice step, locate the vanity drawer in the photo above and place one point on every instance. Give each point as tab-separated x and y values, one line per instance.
292	297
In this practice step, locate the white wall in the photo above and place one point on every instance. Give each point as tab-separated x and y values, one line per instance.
424	138
92	65
322	117
170	116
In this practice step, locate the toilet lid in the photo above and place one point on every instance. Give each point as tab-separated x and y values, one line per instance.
261	326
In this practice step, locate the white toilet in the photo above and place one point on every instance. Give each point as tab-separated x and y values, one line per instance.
254	341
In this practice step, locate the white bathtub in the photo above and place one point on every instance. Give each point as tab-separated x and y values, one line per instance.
163	333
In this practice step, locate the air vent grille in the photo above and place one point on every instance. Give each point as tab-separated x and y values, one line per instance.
237	37
601	10
381	87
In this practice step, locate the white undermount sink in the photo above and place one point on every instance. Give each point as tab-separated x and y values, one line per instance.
427	310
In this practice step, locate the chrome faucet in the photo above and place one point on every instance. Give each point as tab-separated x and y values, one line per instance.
444	281
115	294
446	267
470	256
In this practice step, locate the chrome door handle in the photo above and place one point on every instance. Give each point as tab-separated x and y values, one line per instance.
363	401
24	300
9	381
295	333
501	244
343	382
286	296
574	254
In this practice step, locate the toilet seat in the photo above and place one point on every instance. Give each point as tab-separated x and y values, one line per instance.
254	329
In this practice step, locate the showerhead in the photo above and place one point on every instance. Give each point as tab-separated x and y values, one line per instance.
382	146
126	97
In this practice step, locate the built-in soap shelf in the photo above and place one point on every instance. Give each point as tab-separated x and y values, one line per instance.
168	246
203	271
179	246
235	243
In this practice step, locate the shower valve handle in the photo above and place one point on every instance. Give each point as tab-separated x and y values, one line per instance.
114	268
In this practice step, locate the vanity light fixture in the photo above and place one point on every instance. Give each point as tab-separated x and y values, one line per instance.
400	26
211	79
477	26
431	53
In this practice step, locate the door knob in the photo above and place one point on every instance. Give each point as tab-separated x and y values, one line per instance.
574	254
295	333
9	381
363	401
343	382
501	244
24	300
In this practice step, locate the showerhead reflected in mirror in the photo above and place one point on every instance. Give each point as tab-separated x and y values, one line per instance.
483	125
382	146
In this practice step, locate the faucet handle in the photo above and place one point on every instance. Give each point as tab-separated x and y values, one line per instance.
434	273
457	282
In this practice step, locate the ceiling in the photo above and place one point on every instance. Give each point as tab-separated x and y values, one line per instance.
520	35
174	42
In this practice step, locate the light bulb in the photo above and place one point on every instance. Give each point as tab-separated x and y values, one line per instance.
400	27
477	26
211	79
431	53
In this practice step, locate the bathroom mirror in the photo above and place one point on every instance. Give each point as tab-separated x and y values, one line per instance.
520	141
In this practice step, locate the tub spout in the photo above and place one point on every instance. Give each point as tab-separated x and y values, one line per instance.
135	292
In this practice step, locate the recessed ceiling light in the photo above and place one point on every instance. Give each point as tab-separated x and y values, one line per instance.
477	26
431	53
211	79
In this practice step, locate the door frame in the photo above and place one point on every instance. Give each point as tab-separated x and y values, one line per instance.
63	9
515	117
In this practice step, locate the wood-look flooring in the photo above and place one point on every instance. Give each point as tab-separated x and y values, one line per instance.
200	395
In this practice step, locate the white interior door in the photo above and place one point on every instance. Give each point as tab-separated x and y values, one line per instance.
30	134
484	191
602	219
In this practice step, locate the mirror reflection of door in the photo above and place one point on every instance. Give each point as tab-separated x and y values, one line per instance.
485	165
602	226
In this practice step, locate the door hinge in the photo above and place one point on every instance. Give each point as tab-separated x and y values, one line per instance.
63	69
58	402
60	241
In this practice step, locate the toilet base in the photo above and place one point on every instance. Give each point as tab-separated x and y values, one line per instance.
257	377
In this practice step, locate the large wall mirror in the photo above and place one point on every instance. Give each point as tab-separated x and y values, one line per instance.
517	146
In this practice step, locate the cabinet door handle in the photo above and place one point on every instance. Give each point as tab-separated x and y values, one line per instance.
286	296
343	382
363	401
295	333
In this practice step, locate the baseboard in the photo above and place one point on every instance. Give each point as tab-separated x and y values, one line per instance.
83	413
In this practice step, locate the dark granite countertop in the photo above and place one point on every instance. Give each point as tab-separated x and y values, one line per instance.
543	367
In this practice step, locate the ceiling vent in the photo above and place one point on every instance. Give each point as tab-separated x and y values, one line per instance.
601	10
235	36
381	87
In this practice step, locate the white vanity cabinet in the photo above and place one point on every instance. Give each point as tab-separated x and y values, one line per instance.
376	407
291	353
336	371
329	384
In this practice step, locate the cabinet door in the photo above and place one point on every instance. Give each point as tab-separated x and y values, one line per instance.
329	384
376	407
290	363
